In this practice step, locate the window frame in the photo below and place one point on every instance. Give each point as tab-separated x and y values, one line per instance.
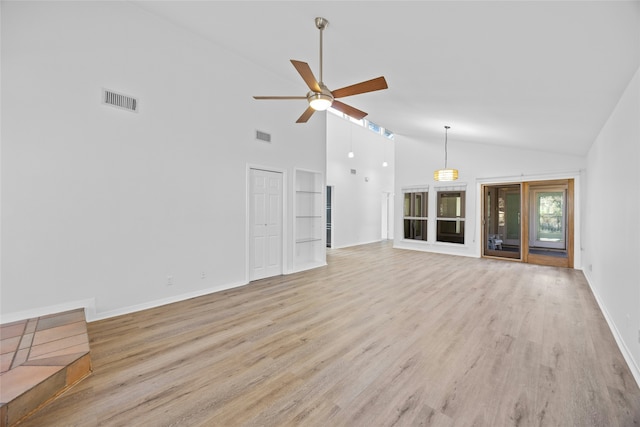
444	219
415	219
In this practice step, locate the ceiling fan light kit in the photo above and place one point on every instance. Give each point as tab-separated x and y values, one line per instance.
445	174
320	97
322	100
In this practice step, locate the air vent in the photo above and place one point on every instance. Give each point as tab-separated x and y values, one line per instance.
263	136
119	100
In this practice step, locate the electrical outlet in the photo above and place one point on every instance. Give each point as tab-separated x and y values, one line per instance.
203	275
169	280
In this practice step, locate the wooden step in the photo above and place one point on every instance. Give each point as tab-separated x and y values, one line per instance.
40	359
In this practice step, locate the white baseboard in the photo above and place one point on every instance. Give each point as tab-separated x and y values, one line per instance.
442	248
353	245
163	301
89	306
307	267
633	366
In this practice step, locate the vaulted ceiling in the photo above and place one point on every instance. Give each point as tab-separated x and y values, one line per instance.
536	74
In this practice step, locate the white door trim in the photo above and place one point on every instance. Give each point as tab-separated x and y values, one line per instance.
285	222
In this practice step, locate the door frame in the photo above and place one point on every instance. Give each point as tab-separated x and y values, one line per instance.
386	213
486	253
570	212
247	215
525	211
329	199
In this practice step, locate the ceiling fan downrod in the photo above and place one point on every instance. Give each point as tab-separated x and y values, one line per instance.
321	24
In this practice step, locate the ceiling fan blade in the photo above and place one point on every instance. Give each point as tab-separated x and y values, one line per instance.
362	87
306	115
348	109
307	75
279	97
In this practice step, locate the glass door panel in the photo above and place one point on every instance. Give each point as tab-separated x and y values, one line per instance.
502	221
548	219
512	218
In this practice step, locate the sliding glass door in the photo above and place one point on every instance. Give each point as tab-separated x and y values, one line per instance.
529	221
550	223
502	221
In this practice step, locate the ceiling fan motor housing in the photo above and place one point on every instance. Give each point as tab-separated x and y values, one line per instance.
320	100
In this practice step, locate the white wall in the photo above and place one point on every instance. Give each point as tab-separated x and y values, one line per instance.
416	160
357	208
101	204
612	230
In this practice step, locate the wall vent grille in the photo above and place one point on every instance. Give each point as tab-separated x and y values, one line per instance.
119	100
263	136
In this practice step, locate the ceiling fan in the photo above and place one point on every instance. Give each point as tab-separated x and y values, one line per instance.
320	97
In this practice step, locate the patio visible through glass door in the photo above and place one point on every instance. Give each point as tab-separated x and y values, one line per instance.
529	221
548	223
502	221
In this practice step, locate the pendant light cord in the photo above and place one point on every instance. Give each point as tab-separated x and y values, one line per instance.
446	128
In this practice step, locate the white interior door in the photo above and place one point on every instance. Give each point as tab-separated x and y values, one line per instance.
265	217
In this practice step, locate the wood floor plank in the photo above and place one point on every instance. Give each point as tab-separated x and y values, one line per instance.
378	337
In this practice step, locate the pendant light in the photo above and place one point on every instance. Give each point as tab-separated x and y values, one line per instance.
350	154
384	156
445	174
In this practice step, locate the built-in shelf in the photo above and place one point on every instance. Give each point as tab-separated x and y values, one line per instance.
310	251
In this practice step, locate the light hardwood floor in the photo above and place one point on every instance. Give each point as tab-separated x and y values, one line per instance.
379	337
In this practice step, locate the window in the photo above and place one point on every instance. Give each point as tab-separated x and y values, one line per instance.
373	127
450	217
415	215
364	123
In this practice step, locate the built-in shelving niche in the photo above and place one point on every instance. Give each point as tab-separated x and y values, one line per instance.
309	232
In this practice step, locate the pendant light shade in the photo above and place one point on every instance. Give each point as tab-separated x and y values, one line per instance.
445	174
